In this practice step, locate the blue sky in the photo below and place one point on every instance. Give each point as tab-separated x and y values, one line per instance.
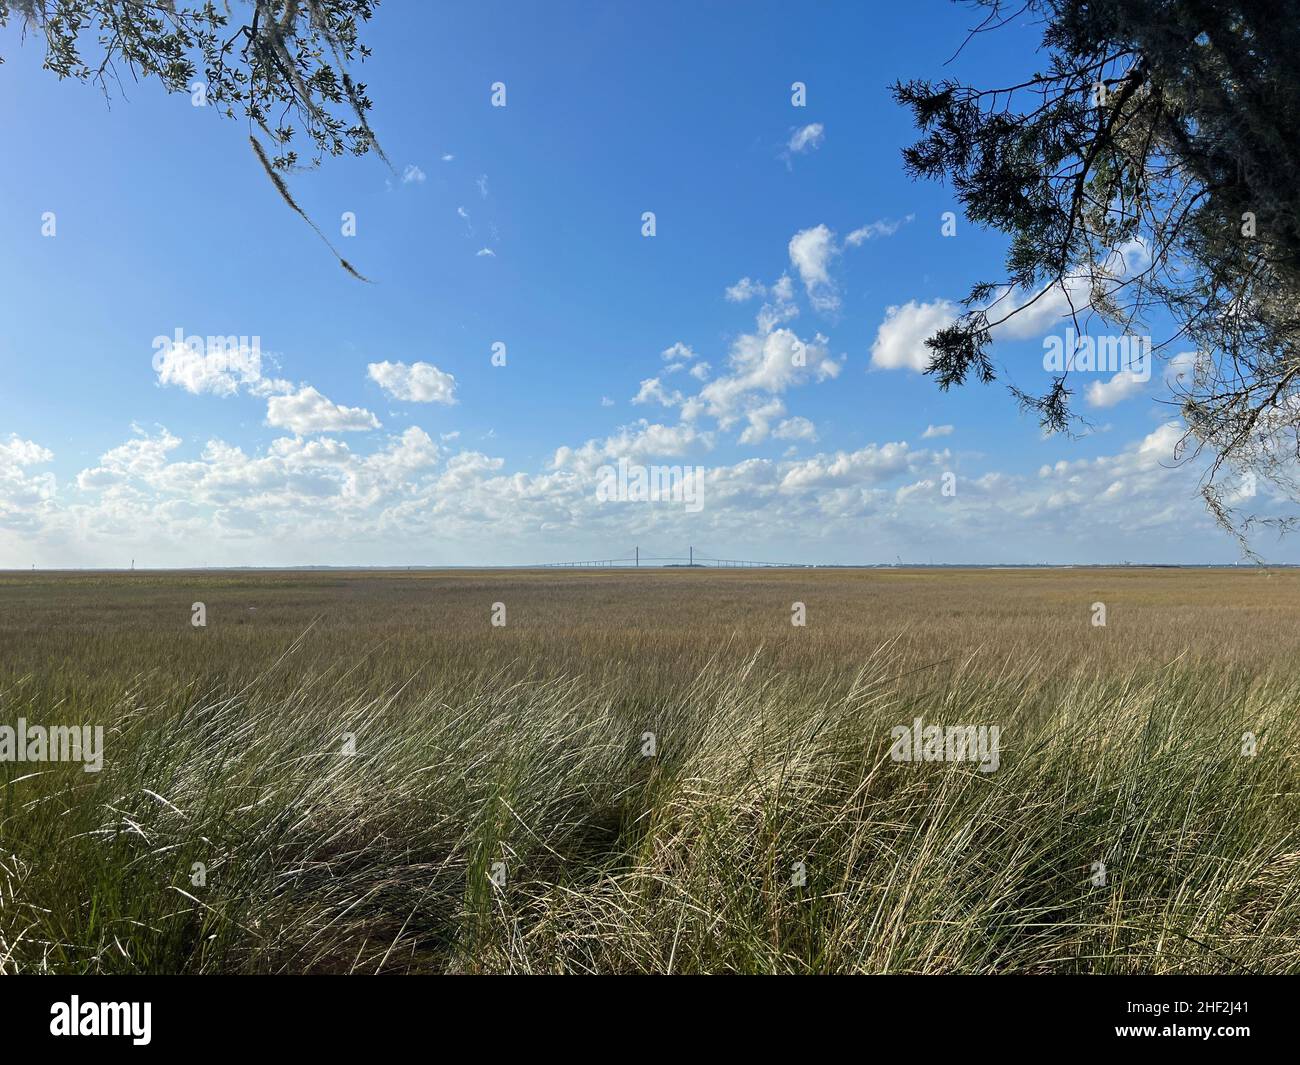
376	429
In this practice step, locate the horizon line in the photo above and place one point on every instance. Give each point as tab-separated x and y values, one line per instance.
625	566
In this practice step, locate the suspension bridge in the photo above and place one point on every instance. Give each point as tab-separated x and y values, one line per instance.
635	560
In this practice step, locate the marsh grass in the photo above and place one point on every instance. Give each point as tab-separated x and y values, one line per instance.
524	747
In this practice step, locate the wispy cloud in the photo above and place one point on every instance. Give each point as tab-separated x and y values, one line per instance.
806	139
885	227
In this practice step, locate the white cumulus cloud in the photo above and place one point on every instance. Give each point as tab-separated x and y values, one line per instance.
811	251
652	391
218	366
419	382
1122	386
307	411
744	289
796	428
900	340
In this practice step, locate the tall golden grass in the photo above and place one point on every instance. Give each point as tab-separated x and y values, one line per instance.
499	810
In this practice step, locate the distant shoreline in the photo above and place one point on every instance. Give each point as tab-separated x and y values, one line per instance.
470	566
